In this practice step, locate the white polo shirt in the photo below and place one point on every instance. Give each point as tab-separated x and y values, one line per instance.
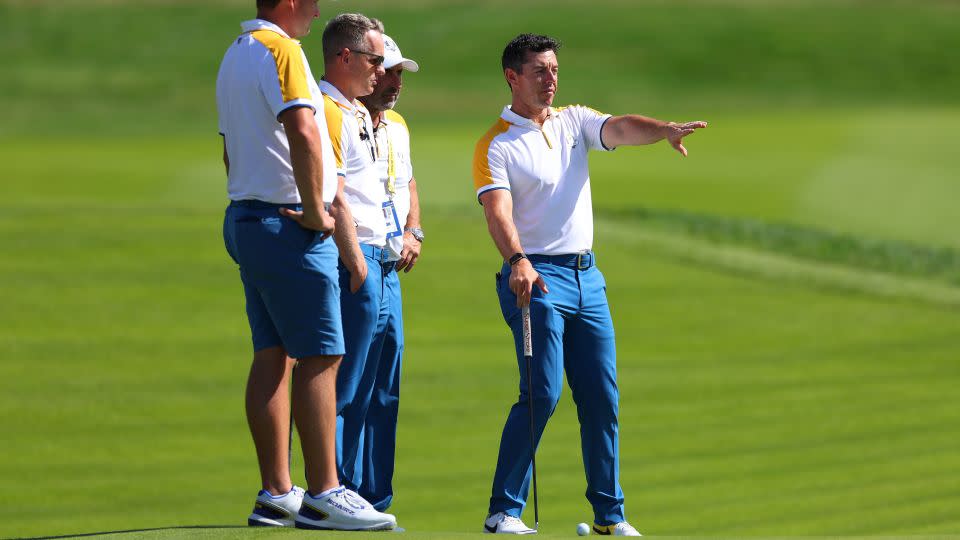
546	171
392	139
263	74
351	136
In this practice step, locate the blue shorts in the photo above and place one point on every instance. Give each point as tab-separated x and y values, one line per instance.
289	278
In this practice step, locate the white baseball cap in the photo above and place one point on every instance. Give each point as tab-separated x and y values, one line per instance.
392	56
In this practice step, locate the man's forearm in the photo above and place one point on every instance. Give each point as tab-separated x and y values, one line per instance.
505	237
306	157
345	235
633	129
307	162
413	217
498	209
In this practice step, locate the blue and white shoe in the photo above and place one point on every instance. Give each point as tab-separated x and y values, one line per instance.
276	510
342	510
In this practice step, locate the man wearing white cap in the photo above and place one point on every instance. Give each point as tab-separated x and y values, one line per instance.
392	146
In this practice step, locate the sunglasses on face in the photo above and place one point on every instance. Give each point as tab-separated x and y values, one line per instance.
375	59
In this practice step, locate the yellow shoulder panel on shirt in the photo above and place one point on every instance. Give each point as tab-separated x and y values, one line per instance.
291	72
334	118
394	116
583	107
481	161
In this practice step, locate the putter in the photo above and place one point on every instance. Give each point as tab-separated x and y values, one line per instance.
528	354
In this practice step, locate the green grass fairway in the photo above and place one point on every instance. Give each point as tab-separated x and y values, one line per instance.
750	404
786	299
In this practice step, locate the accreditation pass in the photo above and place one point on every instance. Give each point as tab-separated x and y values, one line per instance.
393	222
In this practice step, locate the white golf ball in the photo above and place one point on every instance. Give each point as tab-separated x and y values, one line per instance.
583	529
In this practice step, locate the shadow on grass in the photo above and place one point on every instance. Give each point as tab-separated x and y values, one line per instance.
125	531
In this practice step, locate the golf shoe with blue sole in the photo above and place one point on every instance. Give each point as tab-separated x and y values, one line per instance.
276	510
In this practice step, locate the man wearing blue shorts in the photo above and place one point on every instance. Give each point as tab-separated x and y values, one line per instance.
531	176
280	180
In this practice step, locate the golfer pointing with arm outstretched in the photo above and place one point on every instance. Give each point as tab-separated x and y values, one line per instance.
531	176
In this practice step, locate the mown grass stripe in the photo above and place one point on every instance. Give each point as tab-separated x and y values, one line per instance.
889	256
778	262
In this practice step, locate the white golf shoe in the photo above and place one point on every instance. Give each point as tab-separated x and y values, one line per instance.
501	523
620	529
342	510
276	510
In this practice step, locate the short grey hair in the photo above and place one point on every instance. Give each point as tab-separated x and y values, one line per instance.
378	23
346	31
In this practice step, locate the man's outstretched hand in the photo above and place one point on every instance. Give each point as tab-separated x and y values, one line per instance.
676	132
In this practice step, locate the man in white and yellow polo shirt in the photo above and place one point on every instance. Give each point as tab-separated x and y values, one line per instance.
395	168
531	176
353	60
280	179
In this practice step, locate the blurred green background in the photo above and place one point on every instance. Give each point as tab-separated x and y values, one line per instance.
787	298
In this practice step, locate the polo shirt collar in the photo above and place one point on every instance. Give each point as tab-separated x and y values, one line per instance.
383	118
259	24
518	120
337	96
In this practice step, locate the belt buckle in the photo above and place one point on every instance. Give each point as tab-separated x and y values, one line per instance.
580	258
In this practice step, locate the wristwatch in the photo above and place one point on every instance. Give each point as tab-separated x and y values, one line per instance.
516	257
417	233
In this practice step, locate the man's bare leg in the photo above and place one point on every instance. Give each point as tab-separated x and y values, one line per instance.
315	412
268	413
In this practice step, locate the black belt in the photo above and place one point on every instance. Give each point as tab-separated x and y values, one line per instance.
262	205
580	261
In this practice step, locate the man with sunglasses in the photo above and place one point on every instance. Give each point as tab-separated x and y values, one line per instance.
353	53
531	176
392	143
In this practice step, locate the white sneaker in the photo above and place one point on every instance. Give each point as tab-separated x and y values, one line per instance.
342	510
276	510
501	523
620	529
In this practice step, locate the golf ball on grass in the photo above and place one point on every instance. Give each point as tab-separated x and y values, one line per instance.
583	529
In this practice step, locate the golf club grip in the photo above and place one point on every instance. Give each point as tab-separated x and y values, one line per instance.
527	339
528	355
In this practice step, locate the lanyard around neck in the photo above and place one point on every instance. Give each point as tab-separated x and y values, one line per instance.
391	162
